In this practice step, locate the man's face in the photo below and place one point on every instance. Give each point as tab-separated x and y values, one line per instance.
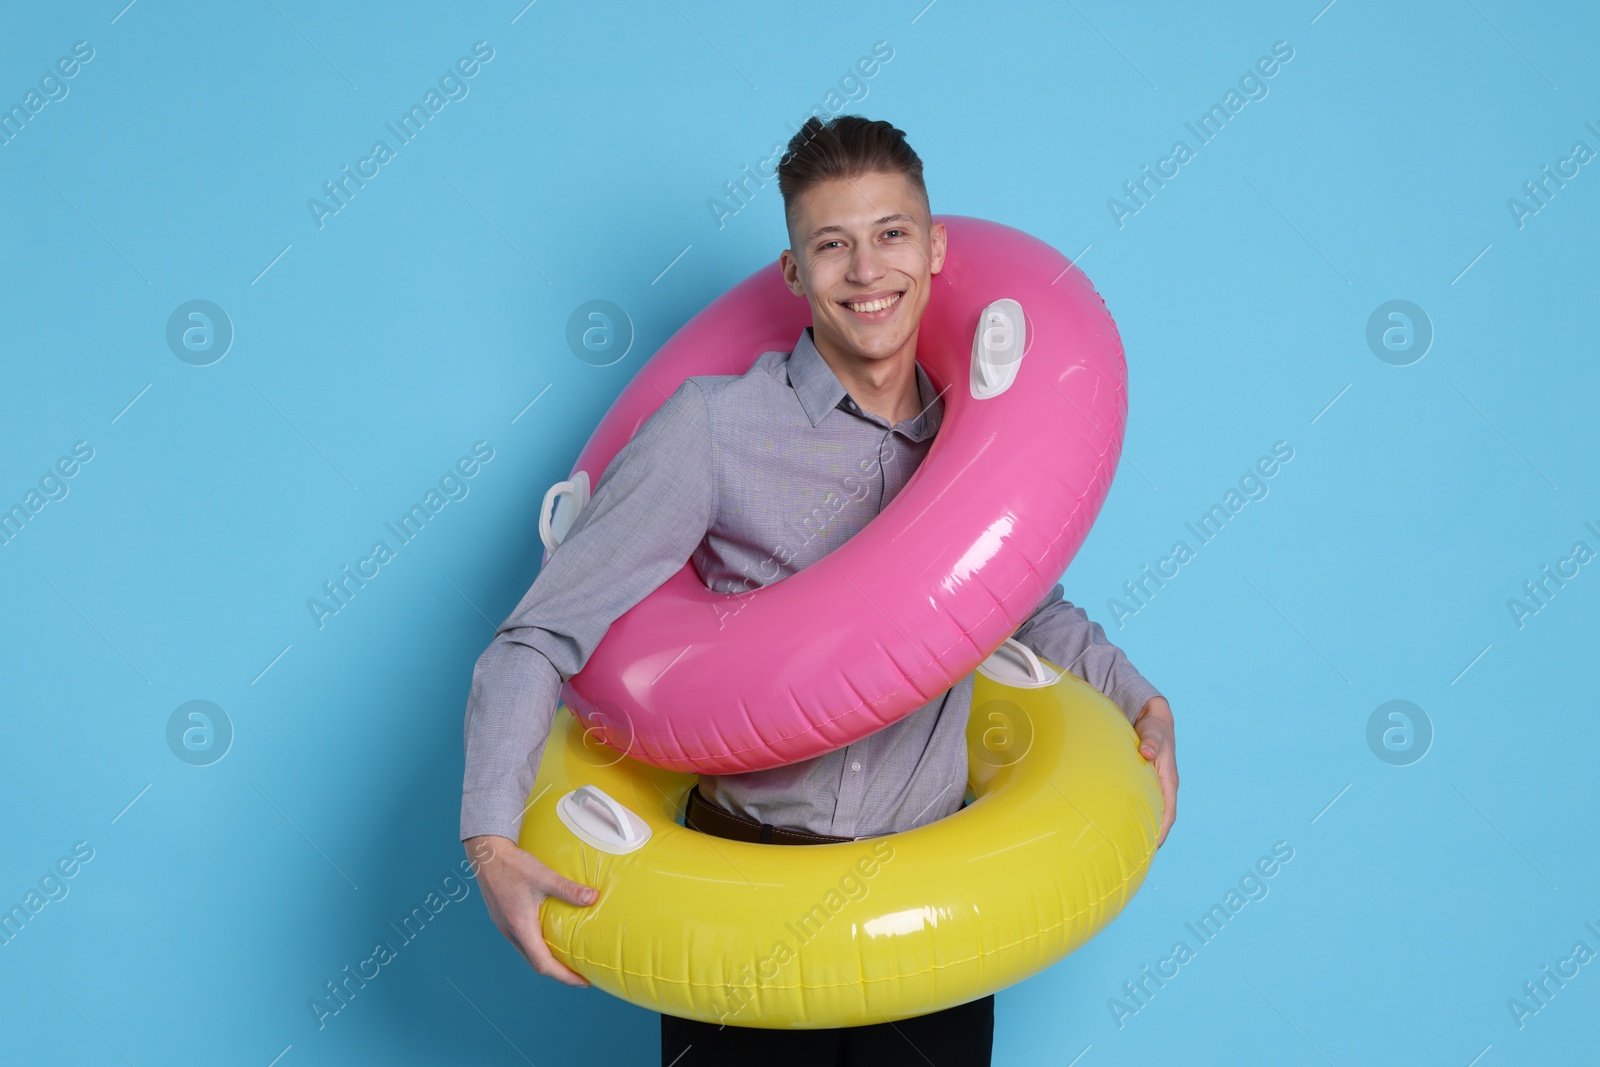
864	240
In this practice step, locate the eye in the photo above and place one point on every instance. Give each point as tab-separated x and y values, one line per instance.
887	232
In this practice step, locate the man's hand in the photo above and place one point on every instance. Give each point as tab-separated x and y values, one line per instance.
514	885
1154	727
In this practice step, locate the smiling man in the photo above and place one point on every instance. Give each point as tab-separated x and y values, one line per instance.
729	473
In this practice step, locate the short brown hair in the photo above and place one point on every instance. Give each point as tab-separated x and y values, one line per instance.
846	146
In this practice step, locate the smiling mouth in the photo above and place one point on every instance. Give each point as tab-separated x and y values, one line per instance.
875	308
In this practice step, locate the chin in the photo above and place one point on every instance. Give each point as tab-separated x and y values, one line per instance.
883	349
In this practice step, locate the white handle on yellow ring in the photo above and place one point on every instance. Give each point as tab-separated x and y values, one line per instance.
1016	665
625	832
553	528
618	813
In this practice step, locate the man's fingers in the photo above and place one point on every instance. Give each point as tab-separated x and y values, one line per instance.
516	943
1169	813
1152	745
1167	775
547	882
571	892
533	948
1157	747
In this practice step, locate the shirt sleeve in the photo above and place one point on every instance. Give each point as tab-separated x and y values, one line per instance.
1064	634
648	513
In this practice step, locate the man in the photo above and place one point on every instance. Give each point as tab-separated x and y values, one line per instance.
726	473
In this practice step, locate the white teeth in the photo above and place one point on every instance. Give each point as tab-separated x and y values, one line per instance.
876	305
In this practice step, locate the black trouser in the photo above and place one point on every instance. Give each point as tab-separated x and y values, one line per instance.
956	1037
962	1036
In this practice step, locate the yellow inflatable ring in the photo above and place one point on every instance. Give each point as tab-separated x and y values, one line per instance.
1058	837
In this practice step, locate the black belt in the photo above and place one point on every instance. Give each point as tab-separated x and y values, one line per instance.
702	815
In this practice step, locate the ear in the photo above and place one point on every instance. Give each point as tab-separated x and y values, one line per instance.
791	272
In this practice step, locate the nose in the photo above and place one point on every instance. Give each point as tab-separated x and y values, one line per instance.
866	264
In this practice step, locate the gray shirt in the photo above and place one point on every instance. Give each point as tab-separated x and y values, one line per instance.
752	477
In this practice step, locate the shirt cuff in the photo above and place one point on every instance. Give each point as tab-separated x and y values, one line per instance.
488	813
1133	696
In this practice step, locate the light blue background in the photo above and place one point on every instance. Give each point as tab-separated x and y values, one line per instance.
427	314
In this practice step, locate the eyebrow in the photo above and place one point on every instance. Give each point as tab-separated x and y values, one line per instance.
879	222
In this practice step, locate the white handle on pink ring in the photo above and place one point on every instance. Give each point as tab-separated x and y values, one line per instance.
997	348
553	528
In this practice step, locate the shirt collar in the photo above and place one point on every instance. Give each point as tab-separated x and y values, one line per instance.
820	391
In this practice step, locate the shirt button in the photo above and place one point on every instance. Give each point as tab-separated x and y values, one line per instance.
856	766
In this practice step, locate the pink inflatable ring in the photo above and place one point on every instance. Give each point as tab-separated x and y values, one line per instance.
1031	371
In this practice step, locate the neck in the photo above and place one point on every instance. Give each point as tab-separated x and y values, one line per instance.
884	387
